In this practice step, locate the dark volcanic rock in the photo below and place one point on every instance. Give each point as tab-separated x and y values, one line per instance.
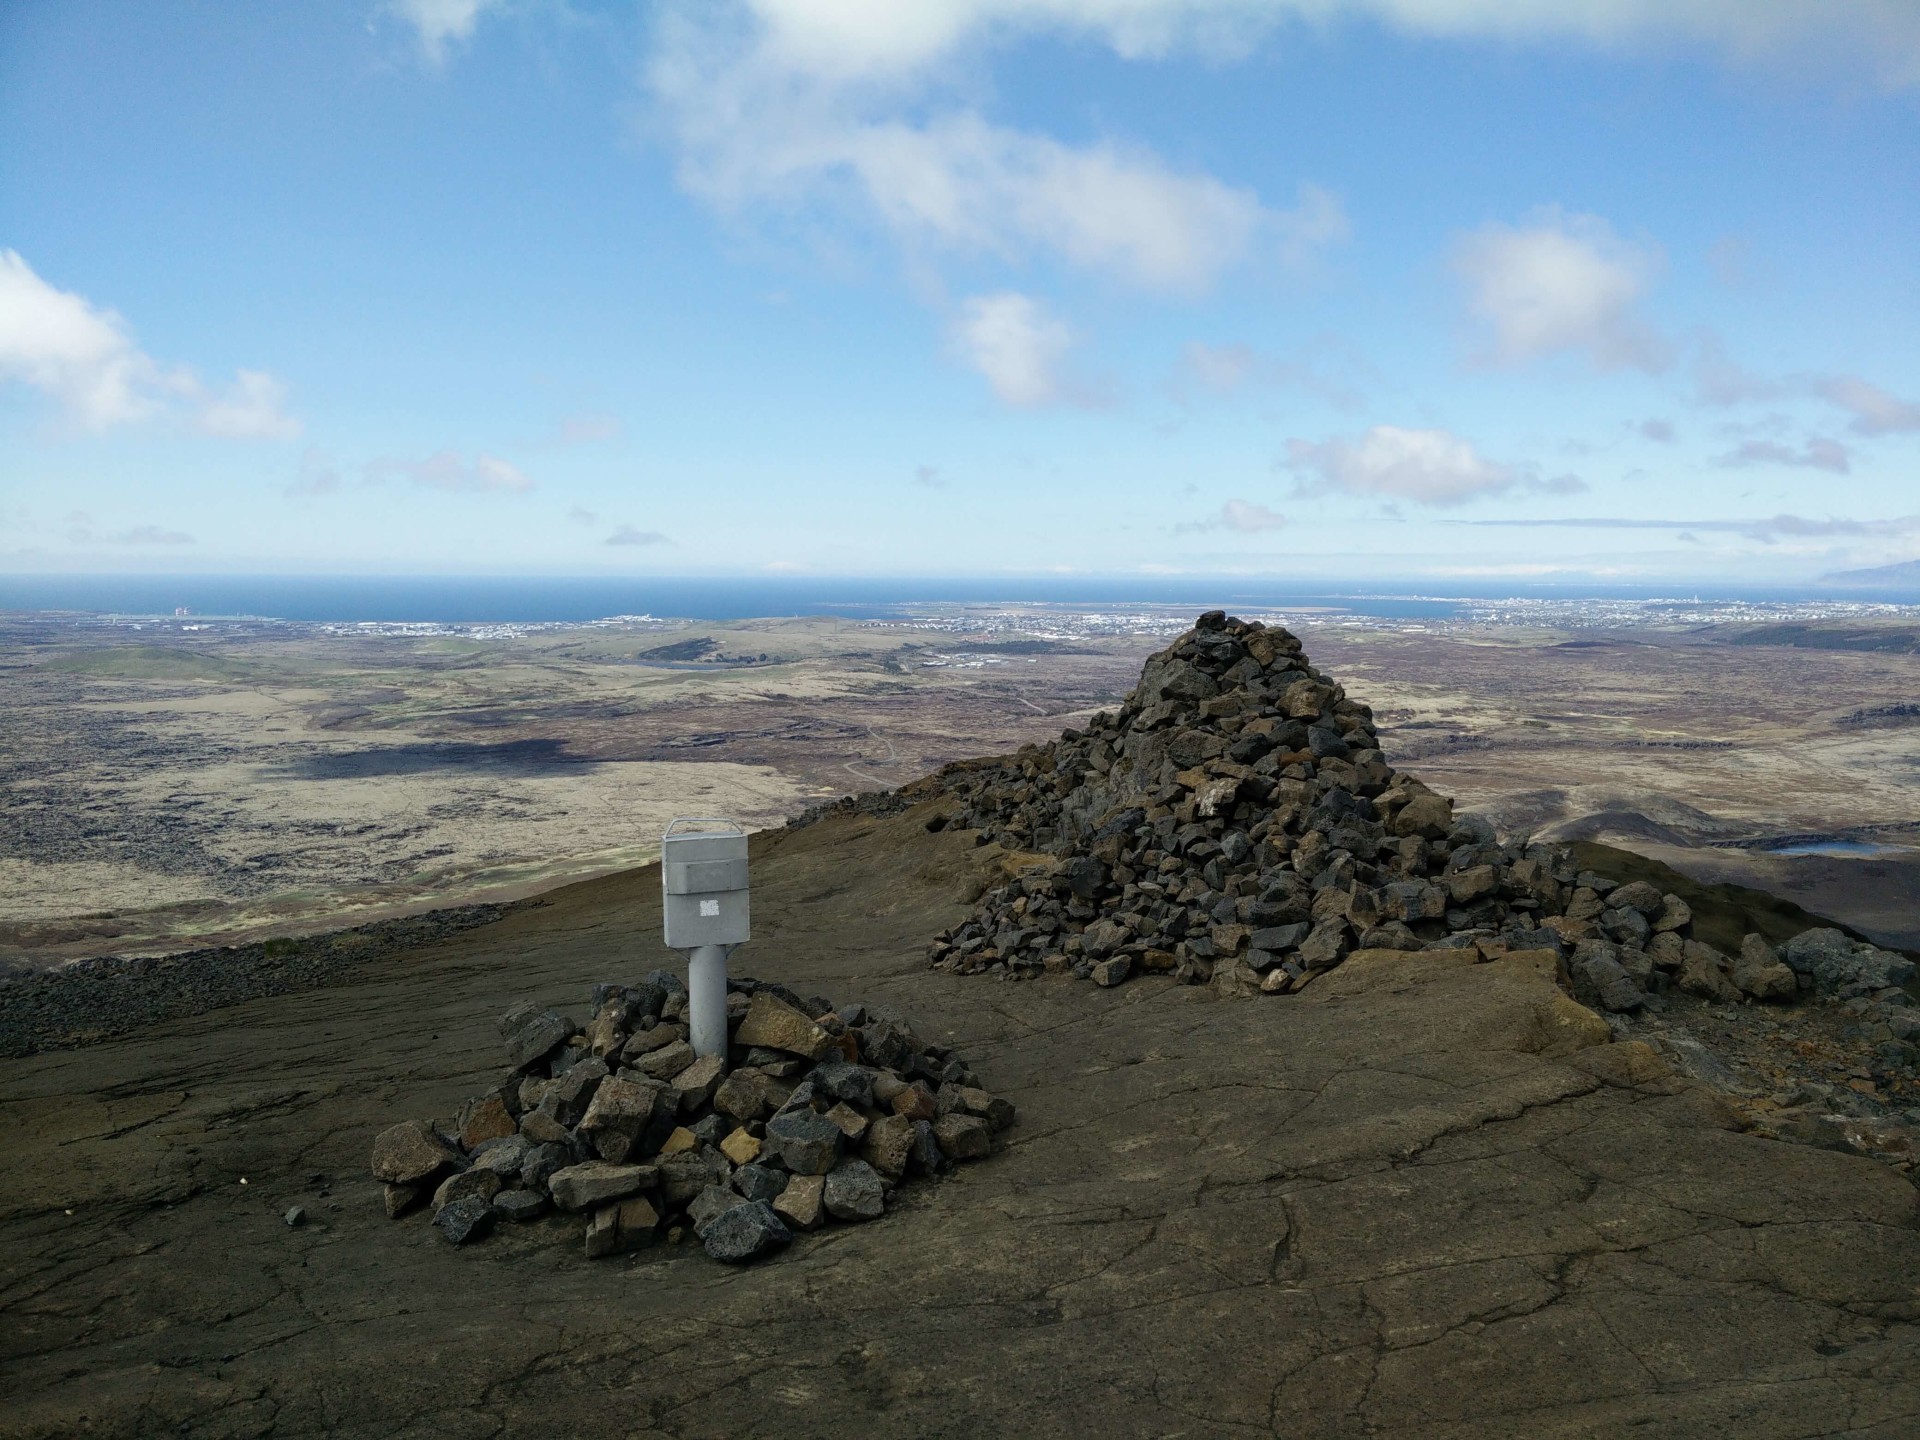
531	1034
1235	823
1842	967
746	1232
465	1220
854	1191
633	1134
805	1143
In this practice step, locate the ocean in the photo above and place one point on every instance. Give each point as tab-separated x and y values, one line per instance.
564	599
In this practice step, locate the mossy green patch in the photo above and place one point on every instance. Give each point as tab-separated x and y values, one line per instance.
151	662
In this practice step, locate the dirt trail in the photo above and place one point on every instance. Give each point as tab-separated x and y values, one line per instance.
1424	1198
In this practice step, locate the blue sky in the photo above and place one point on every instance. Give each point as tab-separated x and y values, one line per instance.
1387	289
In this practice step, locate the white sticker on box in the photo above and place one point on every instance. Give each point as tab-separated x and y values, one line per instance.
709	907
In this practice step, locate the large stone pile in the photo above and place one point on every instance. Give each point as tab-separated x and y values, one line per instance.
1236	823
816	1113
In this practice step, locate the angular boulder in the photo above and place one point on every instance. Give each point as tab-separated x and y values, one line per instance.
410	1152
775	1025
746	1232
532	1033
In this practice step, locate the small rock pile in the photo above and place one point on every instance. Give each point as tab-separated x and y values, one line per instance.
816	1113
1236	823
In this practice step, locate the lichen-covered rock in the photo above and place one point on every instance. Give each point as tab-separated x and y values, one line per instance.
1601	978
1842	967
759	1182
746	1232
465	1220
804	1142
854	1191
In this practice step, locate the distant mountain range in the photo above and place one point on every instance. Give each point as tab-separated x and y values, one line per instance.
1879	577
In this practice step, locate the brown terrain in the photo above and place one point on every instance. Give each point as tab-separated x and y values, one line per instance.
1425	1196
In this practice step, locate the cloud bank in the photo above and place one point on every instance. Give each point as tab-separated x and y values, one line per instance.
1242	516
1426	467
85	358
448	471
774	104
881	39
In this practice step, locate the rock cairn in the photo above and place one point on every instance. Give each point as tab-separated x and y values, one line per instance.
1234	822
816	1114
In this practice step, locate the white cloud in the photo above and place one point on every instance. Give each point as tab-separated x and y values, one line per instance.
1871	410
437	24
86	359
1815	453
1017	345
1244	516
253	407
1428	467
1562	284
773	104
448	470
630	535
63	345
1874	411
875	39
1249	518
1768	529
81	530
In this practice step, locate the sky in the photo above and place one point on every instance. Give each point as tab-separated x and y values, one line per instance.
1327	290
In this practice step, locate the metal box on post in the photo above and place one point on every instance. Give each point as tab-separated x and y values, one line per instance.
703	884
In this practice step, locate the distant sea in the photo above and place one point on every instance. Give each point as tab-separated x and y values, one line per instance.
506	600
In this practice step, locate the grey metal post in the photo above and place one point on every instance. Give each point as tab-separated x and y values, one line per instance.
703	896
707	1000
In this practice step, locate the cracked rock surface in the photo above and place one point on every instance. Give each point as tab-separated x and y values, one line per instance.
1426	1197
